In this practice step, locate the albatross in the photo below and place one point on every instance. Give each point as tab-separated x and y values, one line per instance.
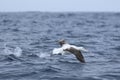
65	48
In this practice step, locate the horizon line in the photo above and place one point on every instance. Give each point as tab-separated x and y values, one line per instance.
61	11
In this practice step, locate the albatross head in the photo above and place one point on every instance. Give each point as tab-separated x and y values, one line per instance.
61	42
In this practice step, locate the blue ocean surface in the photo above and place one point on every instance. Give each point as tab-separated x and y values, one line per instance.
36	34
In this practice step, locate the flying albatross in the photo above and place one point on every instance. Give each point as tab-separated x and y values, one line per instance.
65	47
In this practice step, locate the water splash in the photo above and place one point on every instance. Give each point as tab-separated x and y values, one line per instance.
17	51
43	55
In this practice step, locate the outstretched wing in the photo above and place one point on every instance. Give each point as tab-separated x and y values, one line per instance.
77	53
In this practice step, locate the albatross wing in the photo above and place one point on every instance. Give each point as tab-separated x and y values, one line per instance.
77	53
58	51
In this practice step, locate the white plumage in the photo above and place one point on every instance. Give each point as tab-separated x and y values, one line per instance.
65	47
62	49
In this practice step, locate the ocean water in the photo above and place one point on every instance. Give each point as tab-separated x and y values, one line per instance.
36	34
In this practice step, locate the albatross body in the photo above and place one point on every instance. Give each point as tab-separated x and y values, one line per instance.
65	48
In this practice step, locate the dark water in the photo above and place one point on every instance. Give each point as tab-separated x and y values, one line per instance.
36	33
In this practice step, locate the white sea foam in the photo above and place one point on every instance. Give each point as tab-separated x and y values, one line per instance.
43	55
17	51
